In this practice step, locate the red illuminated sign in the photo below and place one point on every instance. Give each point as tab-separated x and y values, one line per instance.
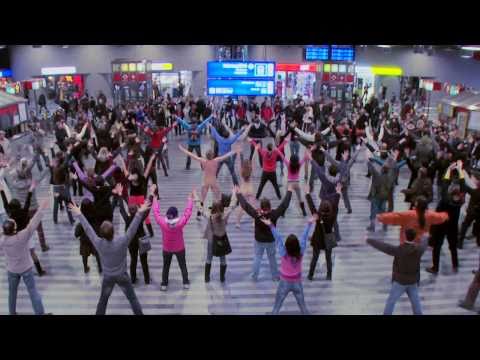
296	67
337	78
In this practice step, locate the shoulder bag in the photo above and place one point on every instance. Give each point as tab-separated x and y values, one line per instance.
144	245
329	238
220	244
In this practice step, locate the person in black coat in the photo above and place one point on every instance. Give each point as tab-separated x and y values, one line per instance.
86	247
327	216
133	248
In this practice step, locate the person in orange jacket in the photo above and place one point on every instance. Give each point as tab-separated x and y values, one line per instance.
419	219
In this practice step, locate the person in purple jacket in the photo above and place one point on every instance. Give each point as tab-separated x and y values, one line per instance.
291	252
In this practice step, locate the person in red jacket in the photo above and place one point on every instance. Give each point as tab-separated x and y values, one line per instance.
266	113
241	114
269	163
157	135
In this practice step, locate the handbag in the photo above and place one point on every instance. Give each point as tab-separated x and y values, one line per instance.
220	244
329	238
144	245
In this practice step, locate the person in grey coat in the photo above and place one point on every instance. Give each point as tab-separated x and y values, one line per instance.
113	256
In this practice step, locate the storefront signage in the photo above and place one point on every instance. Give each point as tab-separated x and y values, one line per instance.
236	87
387	71
125	77
161	66
59	70
297	67
235	69
337	78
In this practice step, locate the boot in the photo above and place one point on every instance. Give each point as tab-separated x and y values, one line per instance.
302	206
223	270
432	270
329	276
40	271
150	229
207	272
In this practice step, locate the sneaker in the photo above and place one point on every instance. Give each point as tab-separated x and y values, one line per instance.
431	270
254	278
46	248
163	288
371	228
237	226
349	211
186	286
464	305
329	277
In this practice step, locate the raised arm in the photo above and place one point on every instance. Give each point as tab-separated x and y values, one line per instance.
183	123
87	228
280	210
195	157
383	247
278	240
107	173
32	226
303	135
204	123
225	156
133	227
187	212
156	212
304	238
80	173
246	205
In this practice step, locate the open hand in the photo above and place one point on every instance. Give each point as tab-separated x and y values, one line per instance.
145	206
74	208
267	222
313	219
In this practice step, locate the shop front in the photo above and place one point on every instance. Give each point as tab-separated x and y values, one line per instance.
464	110
292	80
13	114
63	82
338	81
167	81
130	81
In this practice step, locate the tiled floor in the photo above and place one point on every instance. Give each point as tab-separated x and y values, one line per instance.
361	277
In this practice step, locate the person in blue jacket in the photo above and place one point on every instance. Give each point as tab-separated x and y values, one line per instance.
225	146
194	133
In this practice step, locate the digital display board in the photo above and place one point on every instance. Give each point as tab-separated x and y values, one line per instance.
237	69
238	87
317	53
5	73
342	53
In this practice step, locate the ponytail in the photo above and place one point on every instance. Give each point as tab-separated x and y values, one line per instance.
421	207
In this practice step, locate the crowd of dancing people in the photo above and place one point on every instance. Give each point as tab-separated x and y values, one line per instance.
130	142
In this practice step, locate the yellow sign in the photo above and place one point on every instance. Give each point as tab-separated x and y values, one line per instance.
387	71
162	66
326	68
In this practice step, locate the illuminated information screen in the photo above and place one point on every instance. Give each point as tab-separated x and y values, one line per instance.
342	53
316	53
237	69
240	87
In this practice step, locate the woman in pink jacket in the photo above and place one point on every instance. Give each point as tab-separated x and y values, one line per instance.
172	234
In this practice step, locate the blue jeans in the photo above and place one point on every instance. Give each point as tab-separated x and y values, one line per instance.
230	162
284	287
397	291
124	282
29	280
376	207
294	147
260	248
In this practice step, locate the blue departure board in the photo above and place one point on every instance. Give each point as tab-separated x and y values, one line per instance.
219	87
238	69
342	53
316	53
